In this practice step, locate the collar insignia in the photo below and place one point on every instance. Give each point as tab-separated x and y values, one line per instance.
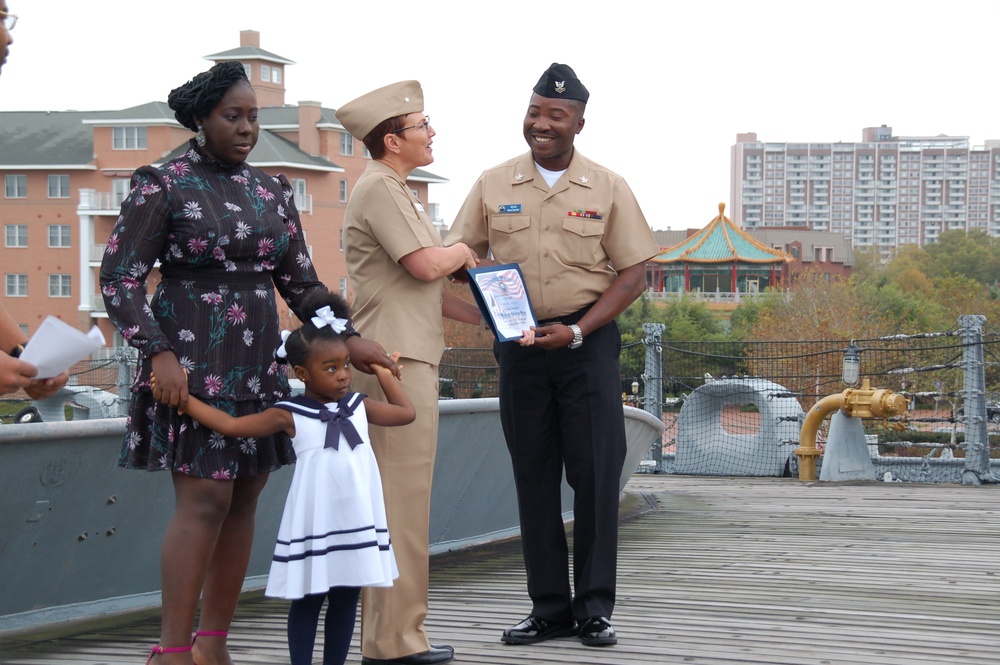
560	87
519	176
583	179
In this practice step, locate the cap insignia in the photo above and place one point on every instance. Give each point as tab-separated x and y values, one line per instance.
560	87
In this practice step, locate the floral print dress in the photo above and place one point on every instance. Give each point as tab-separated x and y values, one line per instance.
225	236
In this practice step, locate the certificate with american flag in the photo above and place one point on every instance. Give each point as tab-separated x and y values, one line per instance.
499	291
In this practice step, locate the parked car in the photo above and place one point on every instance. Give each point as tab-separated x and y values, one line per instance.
992	411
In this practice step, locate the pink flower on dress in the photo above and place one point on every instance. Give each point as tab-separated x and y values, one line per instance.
112	245
129	333
265	246
211	298
179	168
221	474
213	384
236	314
197	245
263	193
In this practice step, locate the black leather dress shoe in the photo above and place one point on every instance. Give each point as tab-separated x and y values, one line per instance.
536	629
436	654
597	632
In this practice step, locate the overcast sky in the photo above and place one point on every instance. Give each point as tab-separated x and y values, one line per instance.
671	83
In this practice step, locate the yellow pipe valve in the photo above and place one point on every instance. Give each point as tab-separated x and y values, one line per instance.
864	402
860	402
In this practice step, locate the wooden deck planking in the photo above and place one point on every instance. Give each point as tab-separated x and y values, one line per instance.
719	571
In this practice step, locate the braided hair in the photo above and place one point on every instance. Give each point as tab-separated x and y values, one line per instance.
197	97
297	345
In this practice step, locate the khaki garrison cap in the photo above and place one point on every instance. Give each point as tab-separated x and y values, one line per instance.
365	113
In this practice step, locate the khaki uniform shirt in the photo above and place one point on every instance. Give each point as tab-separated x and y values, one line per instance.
567	239
385	222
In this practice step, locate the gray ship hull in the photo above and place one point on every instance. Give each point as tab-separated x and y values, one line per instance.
80	537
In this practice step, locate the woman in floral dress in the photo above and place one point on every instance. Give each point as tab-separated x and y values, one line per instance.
225	234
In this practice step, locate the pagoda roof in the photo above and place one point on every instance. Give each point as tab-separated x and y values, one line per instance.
722	242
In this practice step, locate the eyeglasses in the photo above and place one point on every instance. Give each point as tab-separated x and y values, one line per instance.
9	20
424	125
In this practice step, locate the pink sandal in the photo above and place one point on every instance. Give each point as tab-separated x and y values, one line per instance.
208	633
157	650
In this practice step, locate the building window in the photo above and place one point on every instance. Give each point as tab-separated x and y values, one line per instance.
341	238
365	152
249	73
15	186
120	188
299	189
276	75
59	286
128	138
17	285
346	144
343	190
343	288
59	235
265	73
58	186
16	235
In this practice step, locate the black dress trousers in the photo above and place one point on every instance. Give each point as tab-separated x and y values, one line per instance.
563	409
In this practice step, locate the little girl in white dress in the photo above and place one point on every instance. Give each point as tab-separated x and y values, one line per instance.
333	538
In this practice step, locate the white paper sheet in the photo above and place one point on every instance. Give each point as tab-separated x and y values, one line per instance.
56	346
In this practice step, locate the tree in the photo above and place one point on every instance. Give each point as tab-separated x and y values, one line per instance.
974	255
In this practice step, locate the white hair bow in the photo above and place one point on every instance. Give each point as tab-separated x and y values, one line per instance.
281	352
325	317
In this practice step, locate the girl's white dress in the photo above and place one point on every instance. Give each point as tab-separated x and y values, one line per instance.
333	529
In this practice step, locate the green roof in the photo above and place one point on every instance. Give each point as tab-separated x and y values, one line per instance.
722	242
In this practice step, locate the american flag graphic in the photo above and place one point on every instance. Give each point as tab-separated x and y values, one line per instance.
504	284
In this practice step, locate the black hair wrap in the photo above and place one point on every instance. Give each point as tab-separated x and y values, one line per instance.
197	97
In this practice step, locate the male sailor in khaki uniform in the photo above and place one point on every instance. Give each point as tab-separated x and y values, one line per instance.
396	262
581	241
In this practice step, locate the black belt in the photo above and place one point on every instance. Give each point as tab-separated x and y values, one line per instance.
567	319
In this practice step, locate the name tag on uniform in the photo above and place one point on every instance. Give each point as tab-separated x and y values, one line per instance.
510	207
416	204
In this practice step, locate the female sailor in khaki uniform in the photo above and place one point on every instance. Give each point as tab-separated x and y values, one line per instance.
396	262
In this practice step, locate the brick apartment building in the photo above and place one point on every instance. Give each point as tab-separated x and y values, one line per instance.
66	173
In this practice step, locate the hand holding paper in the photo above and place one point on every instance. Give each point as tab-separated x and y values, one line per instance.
56	346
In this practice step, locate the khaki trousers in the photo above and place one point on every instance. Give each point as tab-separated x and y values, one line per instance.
392	618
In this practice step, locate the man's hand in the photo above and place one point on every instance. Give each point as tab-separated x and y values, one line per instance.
554	336
366	352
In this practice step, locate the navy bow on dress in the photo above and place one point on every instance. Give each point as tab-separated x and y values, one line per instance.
340	422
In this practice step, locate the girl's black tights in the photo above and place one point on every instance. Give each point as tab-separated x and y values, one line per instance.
338	628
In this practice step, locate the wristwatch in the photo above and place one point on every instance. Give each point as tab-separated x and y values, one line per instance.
577	336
